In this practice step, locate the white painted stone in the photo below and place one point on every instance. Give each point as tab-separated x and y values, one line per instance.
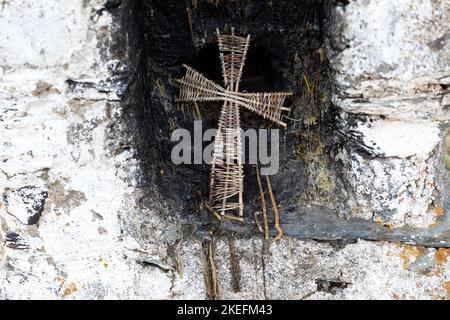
392	57
394	192
391	61
25	203
400	139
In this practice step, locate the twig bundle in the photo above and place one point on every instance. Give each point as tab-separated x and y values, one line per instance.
227	175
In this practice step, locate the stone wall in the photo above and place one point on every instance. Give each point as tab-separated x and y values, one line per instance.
392	63
73	224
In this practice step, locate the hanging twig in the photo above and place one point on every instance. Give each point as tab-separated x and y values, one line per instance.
307	83
275	211
197	112
191	29
263	203
212	264
206	274
258	224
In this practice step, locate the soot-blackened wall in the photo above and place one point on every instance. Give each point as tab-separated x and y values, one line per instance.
287	53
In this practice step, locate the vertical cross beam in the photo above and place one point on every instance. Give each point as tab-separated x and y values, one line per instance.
233	51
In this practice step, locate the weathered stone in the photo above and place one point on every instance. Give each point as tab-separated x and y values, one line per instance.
390	61
104	232
25	203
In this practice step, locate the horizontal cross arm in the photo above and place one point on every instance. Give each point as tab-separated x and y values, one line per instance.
269	105
195	87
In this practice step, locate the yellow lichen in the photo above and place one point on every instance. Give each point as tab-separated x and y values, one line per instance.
447	288
71	288
105	264
324	181
322	54
379	222
441	255
439	212
161	88
410	254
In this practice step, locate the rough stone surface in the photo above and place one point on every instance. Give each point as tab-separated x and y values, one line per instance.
393	58
26	203
96	240
391	62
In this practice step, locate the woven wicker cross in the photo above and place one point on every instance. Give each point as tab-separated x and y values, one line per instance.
227	178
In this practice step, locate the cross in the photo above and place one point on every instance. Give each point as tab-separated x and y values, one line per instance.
227	176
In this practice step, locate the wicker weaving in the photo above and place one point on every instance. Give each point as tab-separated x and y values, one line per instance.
227	176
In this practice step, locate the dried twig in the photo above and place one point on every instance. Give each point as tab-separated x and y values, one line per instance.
233	218
179	259
191	29
307	84
264	254
216	214
275	211
263	203
206	276
235	269
258	224
198	114
212	265
225	216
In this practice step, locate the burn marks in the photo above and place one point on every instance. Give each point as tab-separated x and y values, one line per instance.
26	203
162	35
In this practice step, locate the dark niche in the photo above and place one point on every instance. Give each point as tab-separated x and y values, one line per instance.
287	53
